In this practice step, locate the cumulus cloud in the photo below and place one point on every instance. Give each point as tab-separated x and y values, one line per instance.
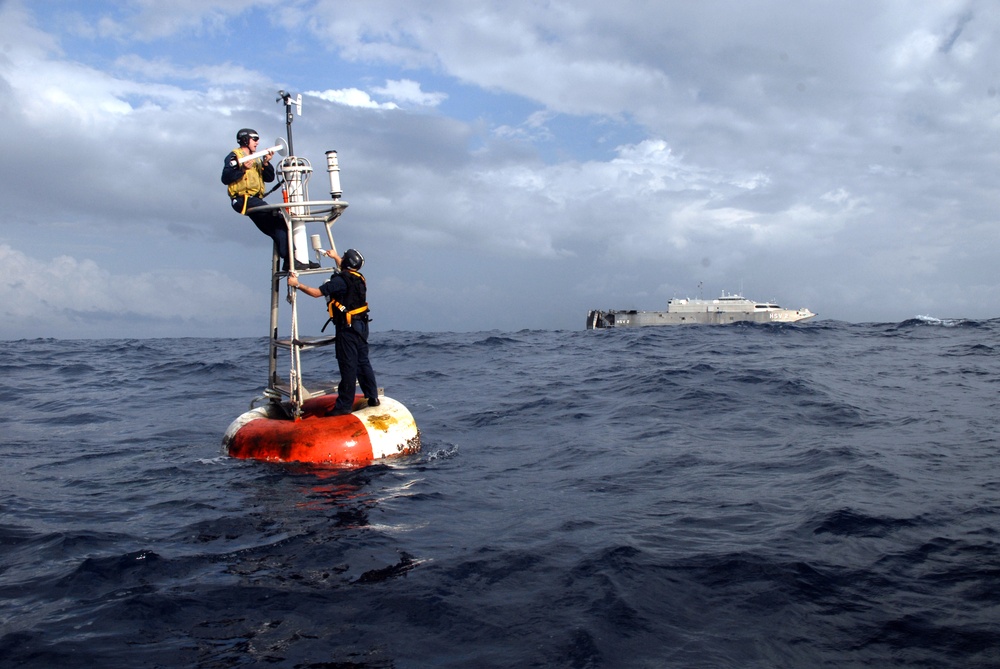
70	297
528	144
408	92
404	92
351	97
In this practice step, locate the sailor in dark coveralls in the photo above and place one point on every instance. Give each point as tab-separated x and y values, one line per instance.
346	293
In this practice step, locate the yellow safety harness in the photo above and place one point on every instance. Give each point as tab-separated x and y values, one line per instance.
336	309
334	305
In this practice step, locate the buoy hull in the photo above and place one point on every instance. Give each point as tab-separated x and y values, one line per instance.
367	434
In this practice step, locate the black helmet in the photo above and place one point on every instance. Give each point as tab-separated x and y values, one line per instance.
352	260
244	136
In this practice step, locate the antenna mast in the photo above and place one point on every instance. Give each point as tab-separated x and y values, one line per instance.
297	102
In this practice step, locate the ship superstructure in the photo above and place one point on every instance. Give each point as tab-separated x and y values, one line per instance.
685	311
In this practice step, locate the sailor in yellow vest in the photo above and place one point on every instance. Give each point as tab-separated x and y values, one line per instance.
347	297
245	184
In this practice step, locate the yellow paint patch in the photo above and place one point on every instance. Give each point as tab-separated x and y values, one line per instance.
382	421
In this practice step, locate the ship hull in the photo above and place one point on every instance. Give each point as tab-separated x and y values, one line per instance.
636	319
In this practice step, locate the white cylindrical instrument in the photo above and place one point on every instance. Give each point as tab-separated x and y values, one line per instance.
333	168
295	172
299	242
247	159
281	148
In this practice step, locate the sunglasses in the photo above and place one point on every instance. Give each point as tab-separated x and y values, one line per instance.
254	137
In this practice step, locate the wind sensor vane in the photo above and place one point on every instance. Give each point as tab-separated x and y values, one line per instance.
287	99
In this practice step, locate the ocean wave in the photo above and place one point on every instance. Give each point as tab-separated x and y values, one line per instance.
745	496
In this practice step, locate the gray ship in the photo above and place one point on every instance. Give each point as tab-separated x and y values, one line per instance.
720	311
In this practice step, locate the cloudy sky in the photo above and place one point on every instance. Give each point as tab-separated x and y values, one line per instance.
508	165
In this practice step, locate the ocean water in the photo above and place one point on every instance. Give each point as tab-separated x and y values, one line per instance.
816	495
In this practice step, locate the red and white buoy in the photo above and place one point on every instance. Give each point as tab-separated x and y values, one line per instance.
300	429
367	434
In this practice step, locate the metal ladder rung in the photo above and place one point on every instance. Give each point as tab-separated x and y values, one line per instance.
301	272
305	343
308	390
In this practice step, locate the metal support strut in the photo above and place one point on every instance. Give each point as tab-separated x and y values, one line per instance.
299	211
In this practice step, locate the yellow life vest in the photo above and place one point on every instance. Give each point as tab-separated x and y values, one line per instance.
356	295
252	183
